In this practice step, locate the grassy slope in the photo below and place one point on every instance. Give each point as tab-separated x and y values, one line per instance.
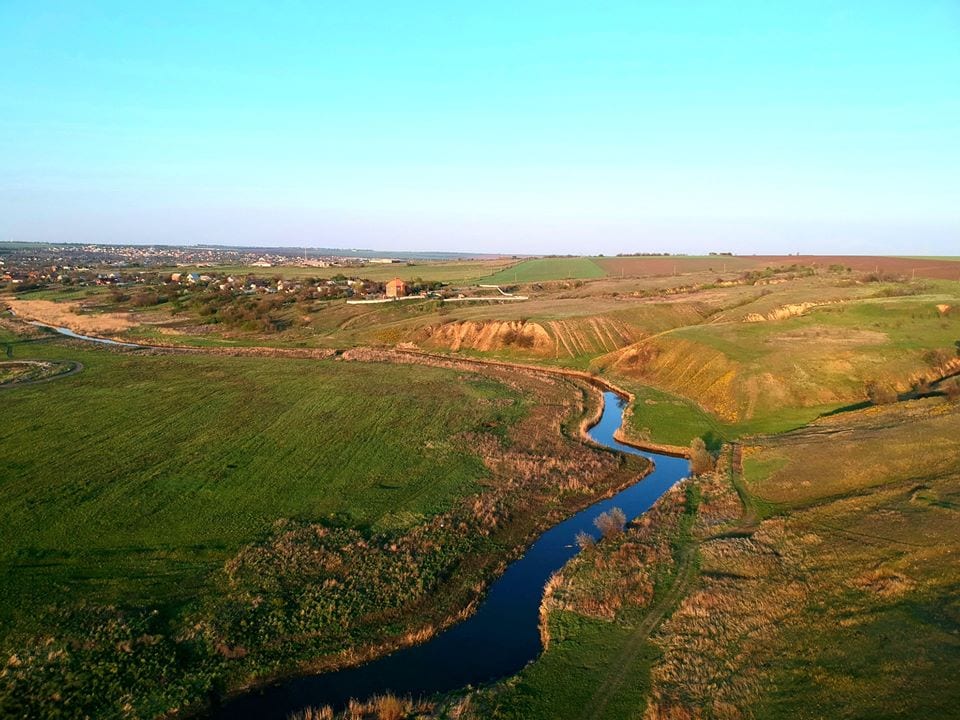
777	375
547	269
841	599
136	477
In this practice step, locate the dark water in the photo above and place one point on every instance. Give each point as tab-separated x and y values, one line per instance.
77	336
499	640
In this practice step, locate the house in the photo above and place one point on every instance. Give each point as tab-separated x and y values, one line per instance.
396	288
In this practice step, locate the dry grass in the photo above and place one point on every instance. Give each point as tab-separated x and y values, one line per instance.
69	314
817	611
380	707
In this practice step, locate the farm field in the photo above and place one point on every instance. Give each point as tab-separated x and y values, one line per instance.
548	269
457	271
644	266
938	268
159	463
137	504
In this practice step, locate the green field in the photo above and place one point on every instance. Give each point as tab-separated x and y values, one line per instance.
257	512
130	483
453	271
548	269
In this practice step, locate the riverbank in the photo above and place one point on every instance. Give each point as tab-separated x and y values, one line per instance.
371	354
204	411
496	641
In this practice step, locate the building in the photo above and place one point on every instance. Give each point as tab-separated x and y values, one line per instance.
396	288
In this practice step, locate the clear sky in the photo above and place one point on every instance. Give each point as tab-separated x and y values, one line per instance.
534	127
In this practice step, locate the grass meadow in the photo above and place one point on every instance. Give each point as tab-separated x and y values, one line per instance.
131	482
835	595
547	270
452	271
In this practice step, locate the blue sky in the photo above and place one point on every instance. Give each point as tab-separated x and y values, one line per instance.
528	127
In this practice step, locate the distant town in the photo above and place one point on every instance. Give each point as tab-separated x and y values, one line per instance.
28	266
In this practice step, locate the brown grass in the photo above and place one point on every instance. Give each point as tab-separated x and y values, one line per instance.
69	314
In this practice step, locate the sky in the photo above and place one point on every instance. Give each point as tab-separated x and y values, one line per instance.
504	127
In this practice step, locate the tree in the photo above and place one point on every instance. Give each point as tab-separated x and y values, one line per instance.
701	461
611	523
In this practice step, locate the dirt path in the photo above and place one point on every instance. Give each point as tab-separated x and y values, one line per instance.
76	368
686	573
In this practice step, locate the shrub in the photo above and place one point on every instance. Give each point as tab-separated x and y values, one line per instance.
952	391
585	540
611	523
701	461
880	394
937	358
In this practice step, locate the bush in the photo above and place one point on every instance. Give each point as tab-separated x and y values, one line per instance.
937	358
952	391
701	461
880	394
585	540
611	523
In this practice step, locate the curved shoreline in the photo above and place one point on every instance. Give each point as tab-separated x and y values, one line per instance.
392	355
497	641
359	661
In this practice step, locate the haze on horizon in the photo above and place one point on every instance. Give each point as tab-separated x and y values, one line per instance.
540	128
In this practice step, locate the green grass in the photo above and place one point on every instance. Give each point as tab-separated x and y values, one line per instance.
773	375
547	269
663	417
871	529
135	478
561	684
443	271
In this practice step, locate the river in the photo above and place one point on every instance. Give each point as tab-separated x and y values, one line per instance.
89	338
495	642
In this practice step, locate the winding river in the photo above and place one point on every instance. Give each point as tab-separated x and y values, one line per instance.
497	641
89	338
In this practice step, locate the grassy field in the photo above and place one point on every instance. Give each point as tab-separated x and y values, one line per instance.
846	576
808	601
548	269
153	470
168	494
452	271
187	497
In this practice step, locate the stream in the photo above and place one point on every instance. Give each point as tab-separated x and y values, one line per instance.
499	639
89	338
